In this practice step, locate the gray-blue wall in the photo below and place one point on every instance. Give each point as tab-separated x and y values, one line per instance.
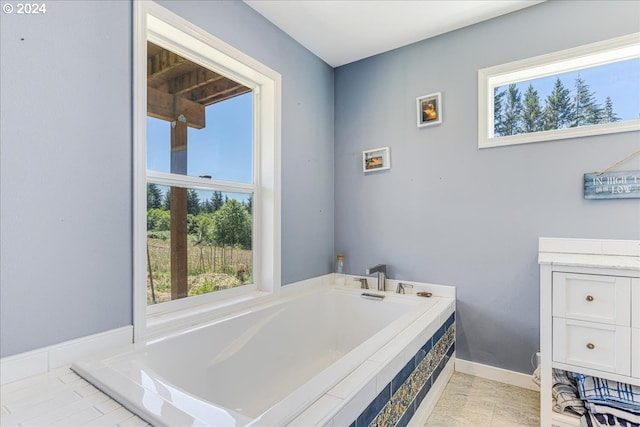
450	213
65	165
66	162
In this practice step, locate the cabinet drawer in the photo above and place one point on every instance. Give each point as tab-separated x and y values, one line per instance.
592	345
593	298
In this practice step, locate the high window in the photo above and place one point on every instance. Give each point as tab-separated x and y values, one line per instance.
590	90
206	187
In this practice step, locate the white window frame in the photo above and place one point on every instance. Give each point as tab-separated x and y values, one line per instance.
600	53
161	26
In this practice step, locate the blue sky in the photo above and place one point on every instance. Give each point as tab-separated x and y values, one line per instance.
222	149
619	80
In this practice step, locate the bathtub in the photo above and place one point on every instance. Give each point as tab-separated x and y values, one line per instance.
321	356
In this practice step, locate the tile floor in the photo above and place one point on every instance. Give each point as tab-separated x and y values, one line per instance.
62	398
470	401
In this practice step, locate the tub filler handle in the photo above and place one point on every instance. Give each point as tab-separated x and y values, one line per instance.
369	295
401	287
363	282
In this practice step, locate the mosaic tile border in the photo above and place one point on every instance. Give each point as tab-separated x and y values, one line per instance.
399	399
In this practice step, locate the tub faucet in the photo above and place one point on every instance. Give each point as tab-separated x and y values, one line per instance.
381	269
401	287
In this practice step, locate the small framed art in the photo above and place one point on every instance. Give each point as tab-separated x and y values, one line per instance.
376	160
429	109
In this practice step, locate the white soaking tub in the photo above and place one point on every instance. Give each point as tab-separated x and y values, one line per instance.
270	364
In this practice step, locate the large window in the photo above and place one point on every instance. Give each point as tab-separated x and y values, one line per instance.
200	126
206	186
591	90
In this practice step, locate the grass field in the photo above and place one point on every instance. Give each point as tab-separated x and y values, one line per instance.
209	269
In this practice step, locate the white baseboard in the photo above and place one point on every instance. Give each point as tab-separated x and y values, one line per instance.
496	374
42	360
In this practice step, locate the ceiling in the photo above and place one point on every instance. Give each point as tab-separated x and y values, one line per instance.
344	31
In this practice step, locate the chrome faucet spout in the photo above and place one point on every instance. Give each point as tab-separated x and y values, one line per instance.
381	269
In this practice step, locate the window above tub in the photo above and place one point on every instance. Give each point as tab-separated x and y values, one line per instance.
589	90
206	170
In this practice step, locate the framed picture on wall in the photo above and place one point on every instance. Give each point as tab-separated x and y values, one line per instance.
376	160
429	109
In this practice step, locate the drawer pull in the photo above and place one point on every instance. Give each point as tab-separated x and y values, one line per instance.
591	346
589	298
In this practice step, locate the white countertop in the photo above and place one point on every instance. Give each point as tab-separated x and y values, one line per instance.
590	260
600	253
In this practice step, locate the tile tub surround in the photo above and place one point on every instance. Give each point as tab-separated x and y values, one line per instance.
338	399
396	404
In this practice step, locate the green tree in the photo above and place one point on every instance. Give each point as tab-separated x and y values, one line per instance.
204	227
249	204
232	225
216	200
586	109
511	124
531	111
213	204
557	112
154	197
206	207
498	98
158	219
608	115
193	202
167	200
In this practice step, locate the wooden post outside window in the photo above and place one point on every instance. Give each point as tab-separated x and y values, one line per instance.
178	203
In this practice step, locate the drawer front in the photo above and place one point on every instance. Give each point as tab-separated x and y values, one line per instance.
592	298
592	345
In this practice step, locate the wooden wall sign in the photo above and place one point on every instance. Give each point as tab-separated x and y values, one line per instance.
612	185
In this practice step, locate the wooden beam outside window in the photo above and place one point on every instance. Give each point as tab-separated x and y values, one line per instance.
165	106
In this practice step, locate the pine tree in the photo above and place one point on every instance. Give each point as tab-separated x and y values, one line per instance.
167	200
206	207
154	197
558	112
531	111
193	202
497	110
513	112
608	115
586	109
249	204
216	201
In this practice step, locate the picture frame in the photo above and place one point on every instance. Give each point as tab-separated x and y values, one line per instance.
376	160
429	109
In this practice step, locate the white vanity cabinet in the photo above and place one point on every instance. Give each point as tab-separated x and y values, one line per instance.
589	313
